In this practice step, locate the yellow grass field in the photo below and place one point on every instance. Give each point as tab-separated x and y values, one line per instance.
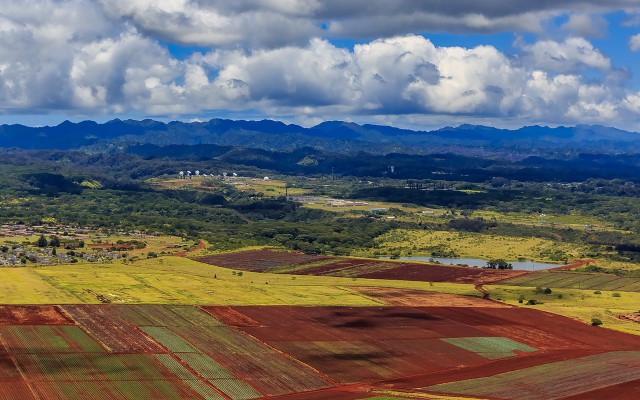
178	280
579	304
26	286
476	245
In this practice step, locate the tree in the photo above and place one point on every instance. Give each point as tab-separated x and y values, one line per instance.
596	322
42	241
54	242
499	264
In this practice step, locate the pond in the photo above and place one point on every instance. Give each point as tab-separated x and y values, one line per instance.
478	262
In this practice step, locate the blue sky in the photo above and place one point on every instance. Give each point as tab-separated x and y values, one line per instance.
425	64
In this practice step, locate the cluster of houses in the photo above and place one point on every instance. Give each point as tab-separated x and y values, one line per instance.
22	230
17	250
17	255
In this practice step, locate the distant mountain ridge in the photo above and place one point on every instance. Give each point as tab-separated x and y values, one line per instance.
330	135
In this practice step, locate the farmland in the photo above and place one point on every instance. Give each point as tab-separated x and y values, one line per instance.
177	280
226	329
368	327
247	352
577	280
571	301
300	264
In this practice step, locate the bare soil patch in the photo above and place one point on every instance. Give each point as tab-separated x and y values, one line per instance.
32	315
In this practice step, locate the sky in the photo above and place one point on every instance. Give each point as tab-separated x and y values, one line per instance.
415	64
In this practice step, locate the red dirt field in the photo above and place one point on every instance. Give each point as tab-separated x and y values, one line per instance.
15	390
271	261
440	273
32	315
259	260
410	383
230	316
623	391
315	353
363	344
112	331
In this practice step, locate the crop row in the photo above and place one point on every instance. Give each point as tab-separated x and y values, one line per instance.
203	365
210	341
111	330
164	315
168	339
48	339
107	390
15	390
91	366
490	347
553	380
253	360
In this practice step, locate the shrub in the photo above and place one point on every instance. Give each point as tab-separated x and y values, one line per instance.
532	302
616	295
596	322
597	292
547	291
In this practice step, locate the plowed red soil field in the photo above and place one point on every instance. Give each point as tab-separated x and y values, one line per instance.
441	273
111	330
32	315
365	344
259	260
340	353
271	261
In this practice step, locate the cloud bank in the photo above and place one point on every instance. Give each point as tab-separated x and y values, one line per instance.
277	57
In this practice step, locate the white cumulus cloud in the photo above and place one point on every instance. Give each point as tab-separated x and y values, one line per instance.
99	57
569	55
634	42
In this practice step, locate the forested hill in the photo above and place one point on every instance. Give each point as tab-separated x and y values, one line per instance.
446	167
331	135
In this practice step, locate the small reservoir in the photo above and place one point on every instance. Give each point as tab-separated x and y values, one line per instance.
478	262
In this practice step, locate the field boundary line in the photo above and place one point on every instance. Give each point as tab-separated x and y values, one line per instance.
352	291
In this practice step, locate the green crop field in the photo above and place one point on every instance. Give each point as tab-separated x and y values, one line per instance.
490	347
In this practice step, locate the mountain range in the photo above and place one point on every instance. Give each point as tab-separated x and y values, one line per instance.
338	136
